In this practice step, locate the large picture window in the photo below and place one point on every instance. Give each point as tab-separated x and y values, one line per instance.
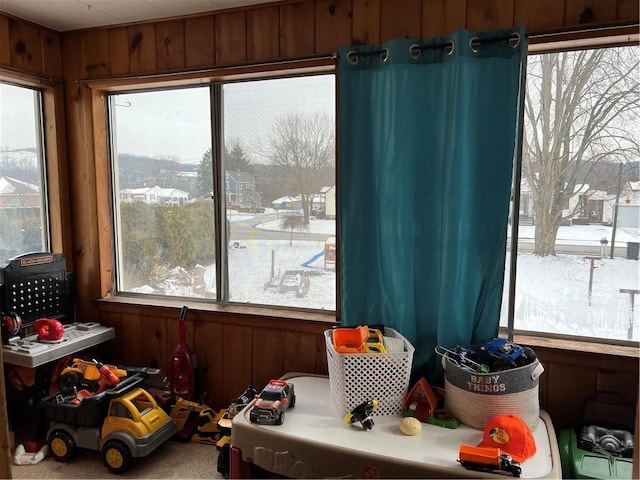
578	214
24	225
261	155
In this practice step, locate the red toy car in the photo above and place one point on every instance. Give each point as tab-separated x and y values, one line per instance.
272	402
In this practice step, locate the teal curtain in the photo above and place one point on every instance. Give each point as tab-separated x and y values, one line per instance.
428	133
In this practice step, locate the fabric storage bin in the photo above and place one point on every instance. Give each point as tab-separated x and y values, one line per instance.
473	398
358	377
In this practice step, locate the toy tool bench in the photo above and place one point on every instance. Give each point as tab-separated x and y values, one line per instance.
38	294
315	442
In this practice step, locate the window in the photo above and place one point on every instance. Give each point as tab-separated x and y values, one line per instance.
276	153
23	209
578	228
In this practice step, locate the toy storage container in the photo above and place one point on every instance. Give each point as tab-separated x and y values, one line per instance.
473	397
357	377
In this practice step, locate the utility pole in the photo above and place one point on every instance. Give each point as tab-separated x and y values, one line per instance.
615	211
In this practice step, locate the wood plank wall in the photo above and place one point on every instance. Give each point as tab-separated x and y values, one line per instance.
234	349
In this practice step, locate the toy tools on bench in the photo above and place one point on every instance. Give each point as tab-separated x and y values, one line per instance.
362	339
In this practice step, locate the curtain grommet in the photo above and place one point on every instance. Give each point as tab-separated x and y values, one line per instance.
514	40
474	44
415	51
384	55
449	47
352	57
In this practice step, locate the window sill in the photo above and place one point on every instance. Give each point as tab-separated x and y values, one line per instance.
232	309
580	346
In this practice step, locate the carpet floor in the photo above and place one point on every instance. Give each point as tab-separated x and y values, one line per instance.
174	459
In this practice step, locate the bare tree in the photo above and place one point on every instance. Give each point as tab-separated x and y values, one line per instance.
580	110
293	222
304	145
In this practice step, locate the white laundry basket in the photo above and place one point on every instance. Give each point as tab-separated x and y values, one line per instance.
358	377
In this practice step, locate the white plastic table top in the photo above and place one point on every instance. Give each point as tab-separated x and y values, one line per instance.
314	441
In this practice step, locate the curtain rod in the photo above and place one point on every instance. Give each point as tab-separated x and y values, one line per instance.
220	68
534	36
30	76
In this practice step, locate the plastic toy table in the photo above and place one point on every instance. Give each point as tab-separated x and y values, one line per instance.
315	442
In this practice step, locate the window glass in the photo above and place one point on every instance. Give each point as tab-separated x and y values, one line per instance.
23	213
578	221
279	166
165	228
276	174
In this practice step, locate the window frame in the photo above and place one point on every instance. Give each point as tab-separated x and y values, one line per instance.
575	342
52	147
103	89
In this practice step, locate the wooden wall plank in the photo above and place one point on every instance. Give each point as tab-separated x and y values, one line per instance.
263	34
366	22
199	41
51	54
170	53
538	15
231	38
584	12
297	30
209	360
97	55
237	362
26	47
577	383
5	42
627	11
142	48
333	25
401	19
441	17
299	352
489	14
119	50
268	355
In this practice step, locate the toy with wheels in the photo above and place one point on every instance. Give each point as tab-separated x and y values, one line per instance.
122	423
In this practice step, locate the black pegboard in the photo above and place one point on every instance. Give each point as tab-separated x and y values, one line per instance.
37	285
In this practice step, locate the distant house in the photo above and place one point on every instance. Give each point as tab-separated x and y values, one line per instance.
157	195
330	201
18	194
241	189
287	203
590	206
629	206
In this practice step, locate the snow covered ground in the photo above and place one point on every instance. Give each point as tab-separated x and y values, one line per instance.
552	293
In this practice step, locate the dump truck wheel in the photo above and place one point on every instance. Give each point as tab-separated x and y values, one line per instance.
62	445
67	381
116	456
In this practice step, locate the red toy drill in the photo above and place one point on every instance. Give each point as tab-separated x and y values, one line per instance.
107	379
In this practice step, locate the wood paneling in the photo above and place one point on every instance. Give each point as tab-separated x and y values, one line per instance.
199	41
263	34
142	48
51	54
400	19
297	30
97	53
366	22
583	12
5	42
538	15
440	17
119	50
26	48
231	38
333	25
170	54
489	14
268	354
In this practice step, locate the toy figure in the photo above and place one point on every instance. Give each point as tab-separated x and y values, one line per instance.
363	414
